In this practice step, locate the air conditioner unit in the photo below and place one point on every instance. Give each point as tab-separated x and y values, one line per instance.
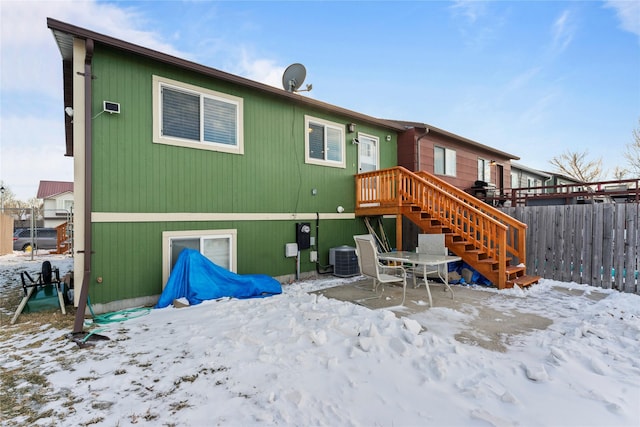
344	261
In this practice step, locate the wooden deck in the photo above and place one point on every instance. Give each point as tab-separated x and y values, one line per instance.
490	241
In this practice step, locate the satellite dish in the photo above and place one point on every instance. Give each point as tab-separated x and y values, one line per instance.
293	77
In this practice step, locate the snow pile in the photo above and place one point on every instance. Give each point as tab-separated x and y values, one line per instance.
303	359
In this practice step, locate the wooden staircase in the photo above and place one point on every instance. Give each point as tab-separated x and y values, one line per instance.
490	241
63	239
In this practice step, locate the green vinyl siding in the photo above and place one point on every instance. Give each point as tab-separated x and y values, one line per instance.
128	256
131	174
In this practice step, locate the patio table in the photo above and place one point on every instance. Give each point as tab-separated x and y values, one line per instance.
424	260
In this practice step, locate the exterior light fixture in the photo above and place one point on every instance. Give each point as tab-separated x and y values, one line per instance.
351	127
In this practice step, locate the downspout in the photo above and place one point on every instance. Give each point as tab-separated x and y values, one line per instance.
325	268
84	289
418	149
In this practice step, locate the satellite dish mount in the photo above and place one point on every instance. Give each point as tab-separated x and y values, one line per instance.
293	78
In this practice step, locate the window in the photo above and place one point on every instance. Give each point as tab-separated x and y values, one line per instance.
324	143
219	246
190	116
532	182
444	161
483	170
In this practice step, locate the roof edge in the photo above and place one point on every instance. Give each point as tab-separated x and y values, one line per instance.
59	26
432	128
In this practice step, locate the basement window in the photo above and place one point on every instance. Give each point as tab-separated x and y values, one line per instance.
219	246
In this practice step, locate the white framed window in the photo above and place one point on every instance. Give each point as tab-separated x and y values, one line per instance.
195	117
324	143
483	170
219	246
444	161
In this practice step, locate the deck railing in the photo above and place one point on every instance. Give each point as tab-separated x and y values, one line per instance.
481	225
63	239
516	230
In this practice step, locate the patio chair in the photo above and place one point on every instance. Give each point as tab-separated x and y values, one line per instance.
432	244
370	266
48	280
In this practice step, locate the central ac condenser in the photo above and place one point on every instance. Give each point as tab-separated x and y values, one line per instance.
344	261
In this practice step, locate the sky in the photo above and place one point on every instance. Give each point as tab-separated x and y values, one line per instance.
533	79
302	359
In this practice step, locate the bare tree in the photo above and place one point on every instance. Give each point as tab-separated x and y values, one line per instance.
620	173
8	198
576	165
632	153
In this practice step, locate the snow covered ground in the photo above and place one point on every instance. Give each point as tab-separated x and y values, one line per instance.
305	360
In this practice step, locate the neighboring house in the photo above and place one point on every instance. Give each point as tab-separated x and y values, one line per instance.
558	179
455	159
57	198
171	154
525	177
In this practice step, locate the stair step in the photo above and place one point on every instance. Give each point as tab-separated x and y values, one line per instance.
514	270
480	255
524	281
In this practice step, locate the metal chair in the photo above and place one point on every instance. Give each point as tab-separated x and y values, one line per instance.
370	266
431	244
48	278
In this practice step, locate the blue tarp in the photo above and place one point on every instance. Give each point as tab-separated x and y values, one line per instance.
197	279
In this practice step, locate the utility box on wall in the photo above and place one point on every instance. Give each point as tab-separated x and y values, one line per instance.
303	235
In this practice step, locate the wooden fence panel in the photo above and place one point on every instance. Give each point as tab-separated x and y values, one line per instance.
607	244
578	250
6	234
632	248
595	244
596	248
618	247
585	266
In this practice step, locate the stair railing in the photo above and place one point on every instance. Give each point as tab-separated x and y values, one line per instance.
400	187
516	230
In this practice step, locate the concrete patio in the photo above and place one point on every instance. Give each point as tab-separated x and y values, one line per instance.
489	327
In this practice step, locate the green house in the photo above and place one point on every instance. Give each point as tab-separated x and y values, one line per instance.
171	154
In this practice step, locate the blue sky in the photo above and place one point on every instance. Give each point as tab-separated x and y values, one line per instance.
534	79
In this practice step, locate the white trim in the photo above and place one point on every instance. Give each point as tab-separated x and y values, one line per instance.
78	123
107	217
158	138
327	124
376	143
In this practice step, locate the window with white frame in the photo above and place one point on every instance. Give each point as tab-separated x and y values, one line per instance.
444	160
195	117
219	246
483	170
324	142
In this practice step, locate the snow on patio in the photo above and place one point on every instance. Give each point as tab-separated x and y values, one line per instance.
303	359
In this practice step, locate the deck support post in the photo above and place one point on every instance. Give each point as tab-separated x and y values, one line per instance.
399	232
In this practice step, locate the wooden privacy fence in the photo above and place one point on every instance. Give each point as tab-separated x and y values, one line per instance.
6	234
594	244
